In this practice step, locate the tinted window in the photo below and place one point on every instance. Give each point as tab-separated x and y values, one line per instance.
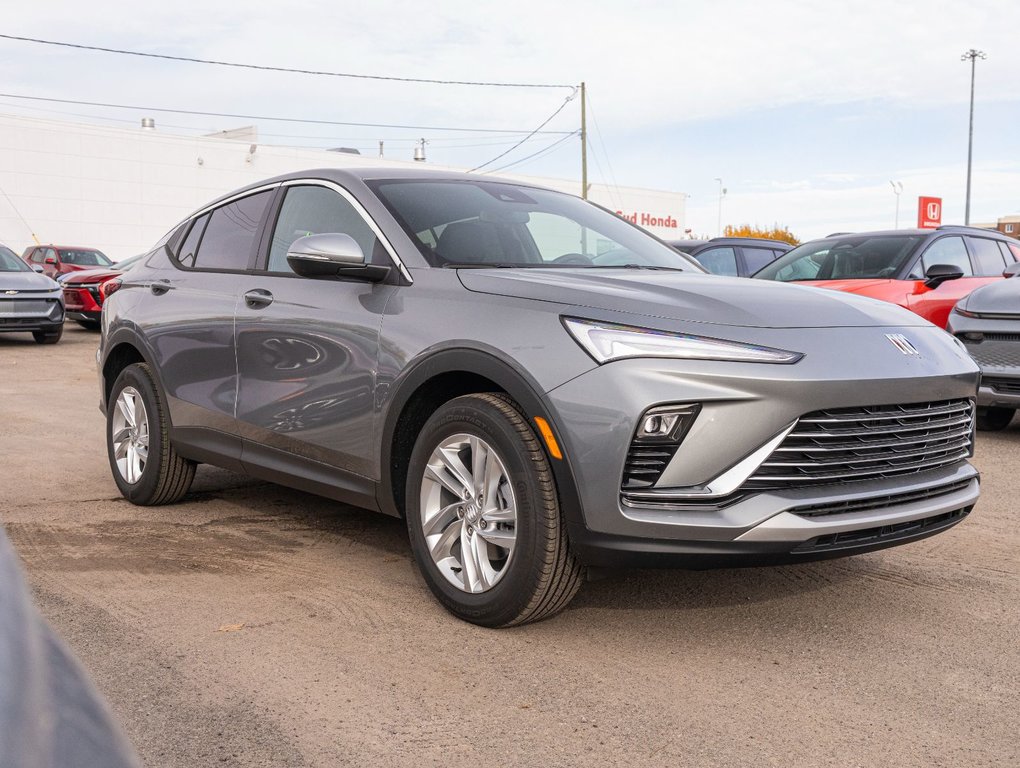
757	258
189	249
719	261
987	256
315	210
9	261
853	257
84	258
945	250
229	236
38	255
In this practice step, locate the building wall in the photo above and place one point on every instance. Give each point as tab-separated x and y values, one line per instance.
120	189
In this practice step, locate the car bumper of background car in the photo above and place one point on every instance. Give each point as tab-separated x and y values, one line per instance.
745	411
92	317
42	313
995	346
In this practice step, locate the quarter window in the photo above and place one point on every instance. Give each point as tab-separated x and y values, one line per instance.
189	250
229	237
987	256
946	250
315	210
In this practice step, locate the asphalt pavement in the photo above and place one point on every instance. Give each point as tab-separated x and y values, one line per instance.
253	625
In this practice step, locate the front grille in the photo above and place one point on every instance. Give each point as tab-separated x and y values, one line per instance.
884	534
1005	386
848	444
25	307
996	350
879	502
645	464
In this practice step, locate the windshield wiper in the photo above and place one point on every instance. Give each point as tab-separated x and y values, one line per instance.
639	266
502	265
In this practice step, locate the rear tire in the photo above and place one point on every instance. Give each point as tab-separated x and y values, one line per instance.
483	515
48	337
147	469
994	419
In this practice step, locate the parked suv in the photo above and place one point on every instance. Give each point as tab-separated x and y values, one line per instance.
734	256
456	350
59	260
925	270
29	302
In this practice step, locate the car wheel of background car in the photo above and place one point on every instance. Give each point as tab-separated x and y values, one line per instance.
994	419
484	518
89	325
145	465
48	337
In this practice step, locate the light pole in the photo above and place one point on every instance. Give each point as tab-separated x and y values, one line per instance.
972	55
897	188
722	194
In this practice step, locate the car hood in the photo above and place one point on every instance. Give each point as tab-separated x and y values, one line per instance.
691	297
26	281
90	275
1000	298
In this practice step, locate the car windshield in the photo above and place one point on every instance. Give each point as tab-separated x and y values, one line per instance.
9	261
81	257
459	223
850	257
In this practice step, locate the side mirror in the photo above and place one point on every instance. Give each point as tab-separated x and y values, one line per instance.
50	260
37	268
1012	270
332	255
940	273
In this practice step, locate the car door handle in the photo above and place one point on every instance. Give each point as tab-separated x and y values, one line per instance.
258	298
159	287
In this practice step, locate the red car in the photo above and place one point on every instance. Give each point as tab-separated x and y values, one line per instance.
84	295
925	270
61	259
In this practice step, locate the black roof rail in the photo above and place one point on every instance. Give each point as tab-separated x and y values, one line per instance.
964	226
837	234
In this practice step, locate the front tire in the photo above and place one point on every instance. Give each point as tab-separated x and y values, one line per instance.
484	518
994	419
147	469
48	337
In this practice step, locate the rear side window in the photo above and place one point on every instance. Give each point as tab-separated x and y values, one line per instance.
228	239
757	258
987	256
1015	250
719	261
189	249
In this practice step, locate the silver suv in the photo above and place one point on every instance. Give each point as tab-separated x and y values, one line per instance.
533	383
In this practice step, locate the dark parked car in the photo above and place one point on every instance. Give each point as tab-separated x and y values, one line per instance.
61	259
84	293
29	301
734	256
461	352
987	321
924	270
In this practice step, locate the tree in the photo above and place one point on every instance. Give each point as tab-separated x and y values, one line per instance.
776	233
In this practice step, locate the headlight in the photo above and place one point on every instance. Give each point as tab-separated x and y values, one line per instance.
961	311
607	341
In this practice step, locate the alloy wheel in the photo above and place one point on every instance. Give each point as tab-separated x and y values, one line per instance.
130	431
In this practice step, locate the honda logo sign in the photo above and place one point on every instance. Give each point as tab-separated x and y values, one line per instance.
929	212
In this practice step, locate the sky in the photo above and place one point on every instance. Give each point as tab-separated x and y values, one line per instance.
806	111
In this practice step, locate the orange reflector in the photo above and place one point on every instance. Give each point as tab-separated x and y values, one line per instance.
550	439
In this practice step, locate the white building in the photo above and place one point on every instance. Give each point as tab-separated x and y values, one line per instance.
119	190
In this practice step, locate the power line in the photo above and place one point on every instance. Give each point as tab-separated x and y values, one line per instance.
534	155
537	130
296	119
291	70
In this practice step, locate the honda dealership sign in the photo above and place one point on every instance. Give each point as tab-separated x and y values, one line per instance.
929	212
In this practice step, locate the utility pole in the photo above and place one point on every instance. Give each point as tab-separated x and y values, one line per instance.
584	147
722	194
972	55
897	188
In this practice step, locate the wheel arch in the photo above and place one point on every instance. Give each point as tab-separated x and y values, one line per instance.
441	376
124	349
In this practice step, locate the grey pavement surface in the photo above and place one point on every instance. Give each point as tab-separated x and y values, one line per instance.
253	625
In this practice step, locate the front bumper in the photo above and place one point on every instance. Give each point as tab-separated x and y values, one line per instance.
743	408
995	346
40	312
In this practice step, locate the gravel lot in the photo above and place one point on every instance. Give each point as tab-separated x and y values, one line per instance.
253	625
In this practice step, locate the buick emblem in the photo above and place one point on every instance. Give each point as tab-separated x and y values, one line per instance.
903	344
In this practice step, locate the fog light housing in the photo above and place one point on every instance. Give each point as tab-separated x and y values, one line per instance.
666	423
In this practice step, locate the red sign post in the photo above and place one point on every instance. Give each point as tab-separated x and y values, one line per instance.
929	212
